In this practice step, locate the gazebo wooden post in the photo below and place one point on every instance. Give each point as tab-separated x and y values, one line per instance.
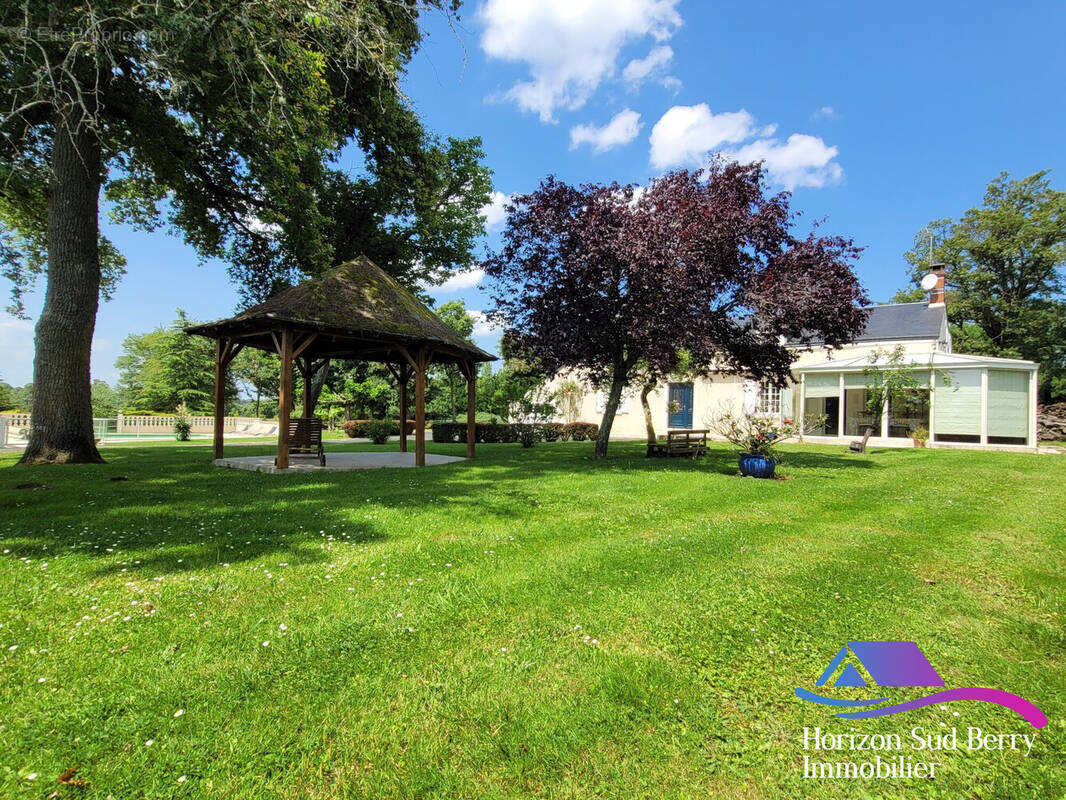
471	402
422	364
284	399
403	377
221	346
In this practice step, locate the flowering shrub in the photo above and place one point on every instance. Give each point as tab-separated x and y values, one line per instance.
754	434
182	426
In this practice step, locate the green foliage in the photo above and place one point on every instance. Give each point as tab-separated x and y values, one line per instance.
166	367
259	374
1005	278
372	394
514	392
379	430
889	374
219	122
361	428
416	217
526	433
106	401
16	398
448	403
580	431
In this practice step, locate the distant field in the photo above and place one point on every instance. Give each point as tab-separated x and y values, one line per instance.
530	624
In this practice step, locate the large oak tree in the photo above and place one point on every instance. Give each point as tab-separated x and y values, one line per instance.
601	279
216	118
1005	275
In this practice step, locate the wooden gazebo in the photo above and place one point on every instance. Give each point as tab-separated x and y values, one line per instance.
354	311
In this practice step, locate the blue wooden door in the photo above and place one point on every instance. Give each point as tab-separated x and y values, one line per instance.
679	405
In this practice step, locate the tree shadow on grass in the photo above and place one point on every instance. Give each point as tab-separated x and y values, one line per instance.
176	512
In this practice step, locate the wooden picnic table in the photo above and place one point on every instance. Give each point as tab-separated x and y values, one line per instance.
681	442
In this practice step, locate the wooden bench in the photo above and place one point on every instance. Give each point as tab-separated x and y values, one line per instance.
691	443
305	438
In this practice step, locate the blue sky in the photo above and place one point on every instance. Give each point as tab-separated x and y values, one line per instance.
878	117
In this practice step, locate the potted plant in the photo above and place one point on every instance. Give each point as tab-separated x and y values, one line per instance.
755	438
919	436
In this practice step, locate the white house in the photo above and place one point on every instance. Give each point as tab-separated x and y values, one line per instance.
972	401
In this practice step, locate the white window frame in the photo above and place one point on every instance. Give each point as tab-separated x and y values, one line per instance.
768	402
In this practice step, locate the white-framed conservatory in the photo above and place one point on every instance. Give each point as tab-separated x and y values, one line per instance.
973	401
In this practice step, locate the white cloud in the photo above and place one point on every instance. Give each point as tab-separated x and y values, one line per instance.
671	84
482	326
801	160
685	134
569	46
825	112
621	130
460	281
639	69
495	211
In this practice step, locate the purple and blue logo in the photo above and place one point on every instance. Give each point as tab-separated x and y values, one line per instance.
902	664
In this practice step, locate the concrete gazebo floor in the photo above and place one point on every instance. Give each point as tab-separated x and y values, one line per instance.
335	462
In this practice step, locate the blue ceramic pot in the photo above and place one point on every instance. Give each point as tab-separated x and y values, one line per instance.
756	466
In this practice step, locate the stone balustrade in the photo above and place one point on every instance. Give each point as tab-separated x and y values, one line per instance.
139	423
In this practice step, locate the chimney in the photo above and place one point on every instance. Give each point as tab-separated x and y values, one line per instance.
937	294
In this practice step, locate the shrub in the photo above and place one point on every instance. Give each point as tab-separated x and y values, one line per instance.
357	428
445	432
551	431
526	433
580	431
499	433
379	430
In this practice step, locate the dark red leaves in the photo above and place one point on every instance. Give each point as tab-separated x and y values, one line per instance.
596	277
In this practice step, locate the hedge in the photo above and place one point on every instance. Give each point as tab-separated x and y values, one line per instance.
494	433
357	428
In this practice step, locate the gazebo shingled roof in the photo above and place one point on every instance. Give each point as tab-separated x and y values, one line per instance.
356	311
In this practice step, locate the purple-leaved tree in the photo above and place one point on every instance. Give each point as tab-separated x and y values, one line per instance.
597	279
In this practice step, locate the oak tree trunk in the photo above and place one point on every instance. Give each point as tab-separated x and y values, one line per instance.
62	418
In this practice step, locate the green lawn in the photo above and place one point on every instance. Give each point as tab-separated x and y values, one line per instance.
532	624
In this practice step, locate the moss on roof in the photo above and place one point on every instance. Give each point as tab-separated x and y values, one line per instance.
357	297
